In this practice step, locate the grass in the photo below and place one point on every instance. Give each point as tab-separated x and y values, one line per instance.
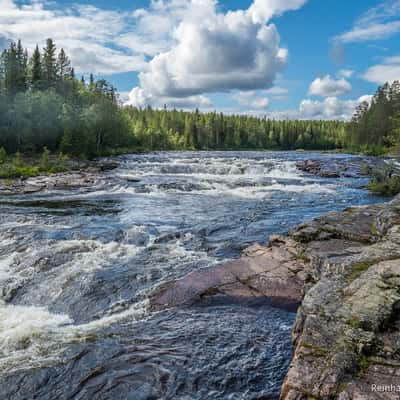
315	351
14	167
358	269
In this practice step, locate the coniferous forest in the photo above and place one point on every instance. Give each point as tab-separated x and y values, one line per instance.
44	105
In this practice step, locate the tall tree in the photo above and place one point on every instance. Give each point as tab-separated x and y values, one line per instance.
36	67
49	64
63	66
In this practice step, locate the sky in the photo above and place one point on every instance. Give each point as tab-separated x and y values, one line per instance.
307	59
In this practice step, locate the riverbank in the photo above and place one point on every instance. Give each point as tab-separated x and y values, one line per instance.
72	174
343	269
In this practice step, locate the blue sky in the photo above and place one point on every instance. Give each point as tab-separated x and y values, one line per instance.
280	58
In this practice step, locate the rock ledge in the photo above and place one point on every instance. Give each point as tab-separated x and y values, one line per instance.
343	271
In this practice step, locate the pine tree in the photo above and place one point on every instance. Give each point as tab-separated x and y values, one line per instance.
10	66
63	66
21	68
49	64
36	67
91	83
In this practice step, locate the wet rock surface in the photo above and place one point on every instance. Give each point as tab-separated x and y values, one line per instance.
344	269
337	168
81	175
83	267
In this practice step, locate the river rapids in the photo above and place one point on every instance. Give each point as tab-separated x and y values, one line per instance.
77	266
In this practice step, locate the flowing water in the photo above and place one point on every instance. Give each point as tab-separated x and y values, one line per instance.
76	268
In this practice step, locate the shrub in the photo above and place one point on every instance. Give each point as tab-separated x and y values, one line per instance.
385	181
45	160
3	155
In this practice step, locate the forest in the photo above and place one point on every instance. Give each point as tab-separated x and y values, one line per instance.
375	127
43	105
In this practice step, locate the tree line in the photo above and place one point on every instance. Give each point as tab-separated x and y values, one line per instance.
375	126
44	105
163	129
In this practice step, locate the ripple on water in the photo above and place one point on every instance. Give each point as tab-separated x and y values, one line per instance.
76	267
202	353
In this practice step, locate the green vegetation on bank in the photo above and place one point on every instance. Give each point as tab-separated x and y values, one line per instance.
375	128
385	180
44	105
18	166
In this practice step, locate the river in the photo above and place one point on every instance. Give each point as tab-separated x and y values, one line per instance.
76	268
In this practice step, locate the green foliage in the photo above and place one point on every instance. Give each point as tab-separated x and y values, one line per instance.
45	159
162	129
18	167
375	127
358	269
385	181
43	105
50	108
391	187
3	155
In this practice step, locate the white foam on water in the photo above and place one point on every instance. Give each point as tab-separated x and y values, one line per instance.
137	311
286	170
313	188
20	325
32	336
5	266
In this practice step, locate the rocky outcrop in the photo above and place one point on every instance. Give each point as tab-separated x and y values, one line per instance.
80	175
336	168
344	270
272	272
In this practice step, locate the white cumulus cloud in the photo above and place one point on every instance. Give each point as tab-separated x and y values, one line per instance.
137	97
263	10
330	108
251	99
89	34
388	71
327	86
215	52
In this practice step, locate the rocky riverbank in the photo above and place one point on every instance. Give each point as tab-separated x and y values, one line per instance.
79	175
343	270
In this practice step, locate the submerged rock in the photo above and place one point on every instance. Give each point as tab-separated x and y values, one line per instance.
344	269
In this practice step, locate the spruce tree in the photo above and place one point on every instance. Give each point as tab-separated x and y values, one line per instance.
49	64
21	68
11	70
63	66
36	67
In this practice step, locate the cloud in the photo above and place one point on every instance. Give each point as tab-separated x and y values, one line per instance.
388	71
91	36
330	108
251	99
345	73
215	52
377	23
277	92
137	97
329	87
264	10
